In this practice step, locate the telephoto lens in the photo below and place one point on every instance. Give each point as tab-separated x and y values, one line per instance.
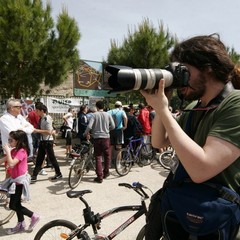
124	78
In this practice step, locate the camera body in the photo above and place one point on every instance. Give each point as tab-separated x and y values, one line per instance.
124	78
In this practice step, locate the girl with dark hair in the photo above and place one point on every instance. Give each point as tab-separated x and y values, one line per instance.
17	151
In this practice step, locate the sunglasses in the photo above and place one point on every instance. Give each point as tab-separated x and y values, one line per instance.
17	107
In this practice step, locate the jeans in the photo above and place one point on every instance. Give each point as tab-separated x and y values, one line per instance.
102	148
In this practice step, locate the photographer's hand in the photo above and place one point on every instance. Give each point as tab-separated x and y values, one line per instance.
158	100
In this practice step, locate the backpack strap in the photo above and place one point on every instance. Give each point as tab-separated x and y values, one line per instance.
224	193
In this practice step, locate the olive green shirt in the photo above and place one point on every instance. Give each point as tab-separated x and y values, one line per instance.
222	122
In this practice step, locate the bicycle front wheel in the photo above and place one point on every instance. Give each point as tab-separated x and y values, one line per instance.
56	229
5	213
141	234
146	154
76	172
123	162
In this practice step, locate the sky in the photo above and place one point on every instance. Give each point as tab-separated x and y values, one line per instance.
101	21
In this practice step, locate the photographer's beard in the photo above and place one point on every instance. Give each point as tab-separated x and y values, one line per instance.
195	90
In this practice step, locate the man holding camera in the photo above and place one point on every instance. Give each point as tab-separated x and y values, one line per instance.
205	138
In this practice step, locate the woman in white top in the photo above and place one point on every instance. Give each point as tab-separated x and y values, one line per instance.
69	119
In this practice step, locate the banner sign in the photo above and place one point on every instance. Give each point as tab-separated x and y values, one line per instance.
54	105
61	105
93	100
91	80
27	106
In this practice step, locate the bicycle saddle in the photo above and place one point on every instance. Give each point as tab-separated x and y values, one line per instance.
75	194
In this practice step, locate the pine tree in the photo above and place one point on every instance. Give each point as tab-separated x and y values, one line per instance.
34	50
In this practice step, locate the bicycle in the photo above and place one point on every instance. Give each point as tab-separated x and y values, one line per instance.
143	155
165	158
5	212
63	229
82	162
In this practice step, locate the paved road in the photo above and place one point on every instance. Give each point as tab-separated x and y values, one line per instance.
50	201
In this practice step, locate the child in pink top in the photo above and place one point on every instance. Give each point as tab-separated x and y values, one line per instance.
16	156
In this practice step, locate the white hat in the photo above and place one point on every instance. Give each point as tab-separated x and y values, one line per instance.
118	103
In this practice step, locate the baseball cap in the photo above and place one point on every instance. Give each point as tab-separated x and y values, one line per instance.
118	103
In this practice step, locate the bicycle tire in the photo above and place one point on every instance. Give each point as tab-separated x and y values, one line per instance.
123	162
76	172
5	213
141	234
165	159
146	154
56	229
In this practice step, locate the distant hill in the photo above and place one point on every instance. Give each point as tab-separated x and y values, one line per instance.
65	89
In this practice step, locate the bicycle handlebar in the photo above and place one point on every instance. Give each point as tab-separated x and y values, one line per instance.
125	185
137	187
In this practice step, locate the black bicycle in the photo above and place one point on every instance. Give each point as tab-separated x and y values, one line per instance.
5	212
82	162
63	229
137	151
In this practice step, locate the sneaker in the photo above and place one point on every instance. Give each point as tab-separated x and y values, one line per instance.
20	227
98	180
33	179
57	176
43	172
34	220
106	175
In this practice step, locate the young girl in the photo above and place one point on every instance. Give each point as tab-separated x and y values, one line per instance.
16	156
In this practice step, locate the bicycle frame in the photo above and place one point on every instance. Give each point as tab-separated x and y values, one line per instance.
140	211
135	152
95	219
5	213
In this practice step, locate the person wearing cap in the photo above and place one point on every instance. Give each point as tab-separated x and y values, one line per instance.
120	120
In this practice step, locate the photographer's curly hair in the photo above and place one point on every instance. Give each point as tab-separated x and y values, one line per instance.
21	138
204	52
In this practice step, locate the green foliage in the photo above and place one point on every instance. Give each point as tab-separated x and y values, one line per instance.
146	47
234	55
32	50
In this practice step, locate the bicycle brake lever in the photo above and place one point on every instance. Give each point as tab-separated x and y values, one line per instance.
138	185
139	189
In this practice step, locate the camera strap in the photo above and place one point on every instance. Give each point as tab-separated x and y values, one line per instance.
213	104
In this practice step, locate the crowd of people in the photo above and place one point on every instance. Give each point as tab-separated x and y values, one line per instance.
109	130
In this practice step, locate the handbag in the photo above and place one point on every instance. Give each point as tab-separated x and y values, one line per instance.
202	208
63	130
